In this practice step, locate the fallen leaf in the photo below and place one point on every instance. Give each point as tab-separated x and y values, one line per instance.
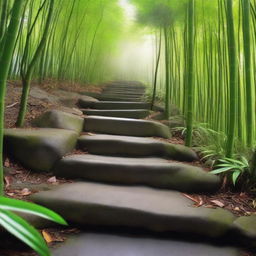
8	181
198	200
52	180
47	237
218	203
25	192
10	194
210	206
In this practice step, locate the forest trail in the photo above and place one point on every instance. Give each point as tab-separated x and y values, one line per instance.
127	197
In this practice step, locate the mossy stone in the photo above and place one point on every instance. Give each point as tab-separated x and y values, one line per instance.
39	149
59	119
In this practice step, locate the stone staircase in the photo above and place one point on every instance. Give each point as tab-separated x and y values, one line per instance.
126	197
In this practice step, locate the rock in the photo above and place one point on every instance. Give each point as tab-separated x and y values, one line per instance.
175	122
38	93
125	126
139	92
113	105
122	94
70	99
158	116
37	222
73	111
39	149
59	119
136	113
103	144
247	225
93	244
134	207
109	97
155	172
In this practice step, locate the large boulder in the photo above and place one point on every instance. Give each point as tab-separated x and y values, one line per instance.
41	94
59	119
39	149
70	99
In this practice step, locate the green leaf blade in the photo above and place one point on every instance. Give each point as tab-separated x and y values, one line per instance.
26	207
24	231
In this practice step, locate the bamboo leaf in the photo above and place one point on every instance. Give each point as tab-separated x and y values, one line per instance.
22	206
221	170
235	176
23	231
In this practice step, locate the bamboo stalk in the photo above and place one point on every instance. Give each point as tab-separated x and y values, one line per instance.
190	75
5	62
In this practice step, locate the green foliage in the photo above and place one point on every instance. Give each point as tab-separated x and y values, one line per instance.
224	70
237	168
18	227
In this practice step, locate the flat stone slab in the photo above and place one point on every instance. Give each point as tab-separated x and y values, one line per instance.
59	119
103	144
134	113
125	126
113	105
124	90
39	149
136	208
247	225
92	244
109	97
155	172
125	93
121	97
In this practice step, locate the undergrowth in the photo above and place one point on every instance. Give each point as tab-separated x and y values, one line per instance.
240	170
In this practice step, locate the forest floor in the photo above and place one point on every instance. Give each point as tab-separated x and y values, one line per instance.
239	203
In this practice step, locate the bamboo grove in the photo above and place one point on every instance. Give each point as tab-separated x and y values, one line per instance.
61	40
209	64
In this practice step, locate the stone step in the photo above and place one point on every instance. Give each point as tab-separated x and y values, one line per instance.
123	94
113	105
105	97
95	244
125	88
134	113
125	85
125	126
154	172
137	208
133	90
103	144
